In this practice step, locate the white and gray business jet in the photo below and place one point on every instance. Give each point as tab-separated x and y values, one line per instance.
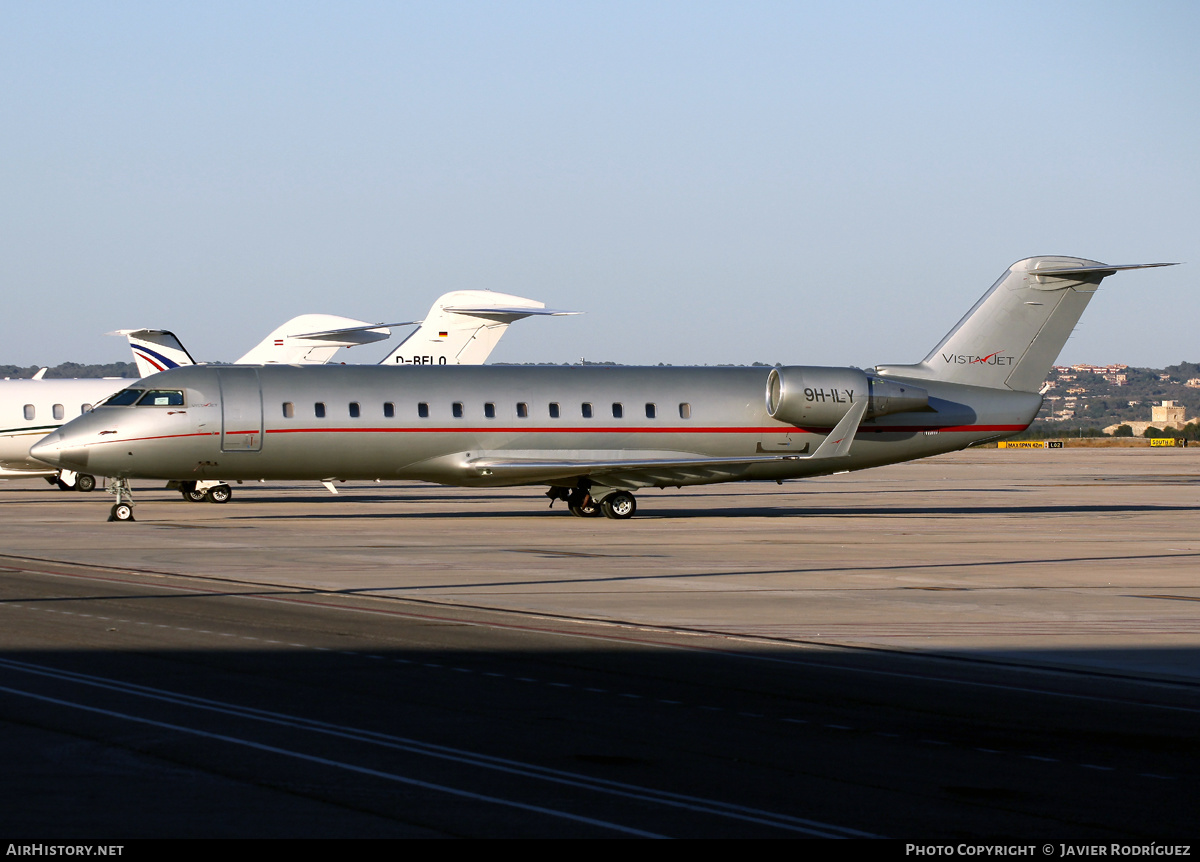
462	327
593	435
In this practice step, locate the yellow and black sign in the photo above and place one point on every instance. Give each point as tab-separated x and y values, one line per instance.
1163	441
1022	444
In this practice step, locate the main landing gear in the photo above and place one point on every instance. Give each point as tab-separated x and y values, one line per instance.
201	492
67	479
591	501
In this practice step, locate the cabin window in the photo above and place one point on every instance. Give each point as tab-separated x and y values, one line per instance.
58	411
423	410
458	410
289	410
85	408
30	411
553	409
489	410
618	410
354	411
522	410
586	409
389	410
162	398
319	409
650	411
685	410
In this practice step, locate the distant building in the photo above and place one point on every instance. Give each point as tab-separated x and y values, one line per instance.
1169	414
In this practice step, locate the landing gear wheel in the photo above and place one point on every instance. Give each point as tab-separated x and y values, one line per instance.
189	492
619	506
121	512
85	482
581	505
218	494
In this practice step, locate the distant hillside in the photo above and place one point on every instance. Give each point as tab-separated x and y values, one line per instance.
73	369
1081	398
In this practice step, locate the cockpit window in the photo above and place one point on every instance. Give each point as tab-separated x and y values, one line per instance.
162	398
124	398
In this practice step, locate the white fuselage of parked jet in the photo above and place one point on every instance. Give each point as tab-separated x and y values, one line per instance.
31	409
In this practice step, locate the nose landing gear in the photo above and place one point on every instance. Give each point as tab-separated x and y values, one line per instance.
122	510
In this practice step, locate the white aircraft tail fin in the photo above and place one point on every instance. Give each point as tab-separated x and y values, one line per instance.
155	350
312	339
463	327
1013	335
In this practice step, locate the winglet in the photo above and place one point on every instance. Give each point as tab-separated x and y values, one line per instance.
837	444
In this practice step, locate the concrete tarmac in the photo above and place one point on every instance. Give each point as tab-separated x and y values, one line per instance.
1067	558
993	644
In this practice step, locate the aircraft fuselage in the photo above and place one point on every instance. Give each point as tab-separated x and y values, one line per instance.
495	426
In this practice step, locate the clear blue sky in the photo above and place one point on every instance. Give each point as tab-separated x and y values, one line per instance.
806	183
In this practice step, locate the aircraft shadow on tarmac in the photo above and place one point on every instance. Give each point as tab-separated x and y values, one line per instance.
304	742
651	510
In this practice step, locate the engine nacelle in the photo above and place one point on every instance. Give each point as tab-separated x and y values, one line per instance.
821	396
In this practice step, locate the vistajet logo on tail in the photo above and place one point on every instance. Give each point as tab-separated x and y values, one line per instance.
968	359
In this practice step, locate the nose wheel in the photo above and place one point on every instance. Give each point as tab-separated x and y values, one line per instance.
122	510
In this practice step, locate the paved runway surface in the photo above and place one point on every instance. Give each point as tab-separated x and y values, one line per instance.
996	645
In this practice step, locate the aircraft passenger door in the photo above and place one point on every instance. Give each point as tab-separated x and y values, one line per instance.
241	410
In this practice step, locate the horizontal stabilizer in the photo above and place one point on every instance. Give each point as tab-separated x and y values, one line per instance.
351	335
1101	270
514	313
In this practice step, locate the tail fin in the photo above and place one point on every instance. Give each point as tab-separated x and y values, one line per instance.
155	350
1014	333
312	339
463	327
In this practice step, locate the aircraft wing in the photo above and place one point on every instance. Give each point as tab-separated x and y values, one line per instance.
351	335
643	472
618	472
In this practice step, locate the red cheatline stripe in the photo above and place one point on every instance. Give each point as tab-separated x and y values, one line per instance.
485	429
489	429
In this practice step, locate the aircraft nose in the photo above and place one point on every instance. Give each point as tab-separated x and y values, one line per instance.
57	450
